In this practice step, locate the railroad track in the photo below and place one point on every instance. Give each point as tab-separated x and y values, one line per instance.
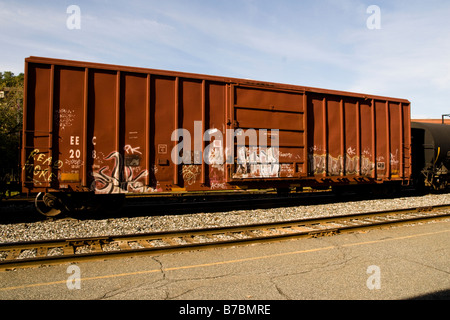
26	254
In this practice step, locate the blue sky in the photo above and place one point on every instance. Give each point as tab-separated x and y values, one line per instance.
322	43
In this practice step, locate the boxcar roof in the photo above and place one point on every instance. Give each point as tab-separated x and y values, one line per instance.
102	66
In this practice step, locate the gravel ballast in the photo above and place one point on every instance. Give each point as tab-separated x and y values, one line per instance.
71	228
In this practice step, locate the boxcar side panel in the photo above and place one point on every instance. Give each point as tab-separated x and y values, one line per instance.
113	129
317	144
275	118
38	163
106	161
395	143
214	148
356	138
191	171
334	137
133	137
367	125
352	138
164	122
68	124
381	138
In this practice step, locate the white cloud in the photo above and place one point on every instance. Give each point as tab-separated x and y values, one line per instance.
407	58
313	43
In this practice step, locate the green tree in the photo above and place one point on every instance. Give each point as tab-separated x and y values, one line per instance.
11	110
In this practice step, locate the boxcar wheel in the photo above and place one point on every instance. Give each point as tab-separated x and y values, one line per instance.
47	204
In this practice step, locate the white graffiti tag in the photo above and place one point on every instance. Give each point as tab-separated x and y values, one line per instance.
120	179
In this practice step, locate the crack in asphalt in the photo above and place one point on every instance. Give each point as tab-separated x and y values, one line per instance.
167	291
161	267
338	262
425	265
342	256
167	282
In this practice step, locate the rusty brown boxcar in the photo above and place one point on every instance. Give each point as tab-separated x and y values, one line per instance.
106	129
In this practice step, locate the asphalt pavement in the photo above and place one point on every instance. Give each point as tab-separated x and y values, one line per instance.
406	262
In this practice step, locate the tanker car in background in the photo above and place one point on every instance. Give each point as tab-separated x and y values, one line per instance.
93	133
431	155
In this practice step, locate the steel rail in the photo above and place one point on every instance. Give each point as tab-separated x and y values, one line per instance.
106	247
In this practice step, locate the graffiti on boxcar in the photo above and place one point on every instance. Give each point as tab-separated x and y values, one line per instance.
64	118
286	155
351	164
326	163
74	163
191	173
395	168
130	150
218	185
287	170
215	156
120	179
367	165
41	168
251	164
334	166
216	176
316	160
351	161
